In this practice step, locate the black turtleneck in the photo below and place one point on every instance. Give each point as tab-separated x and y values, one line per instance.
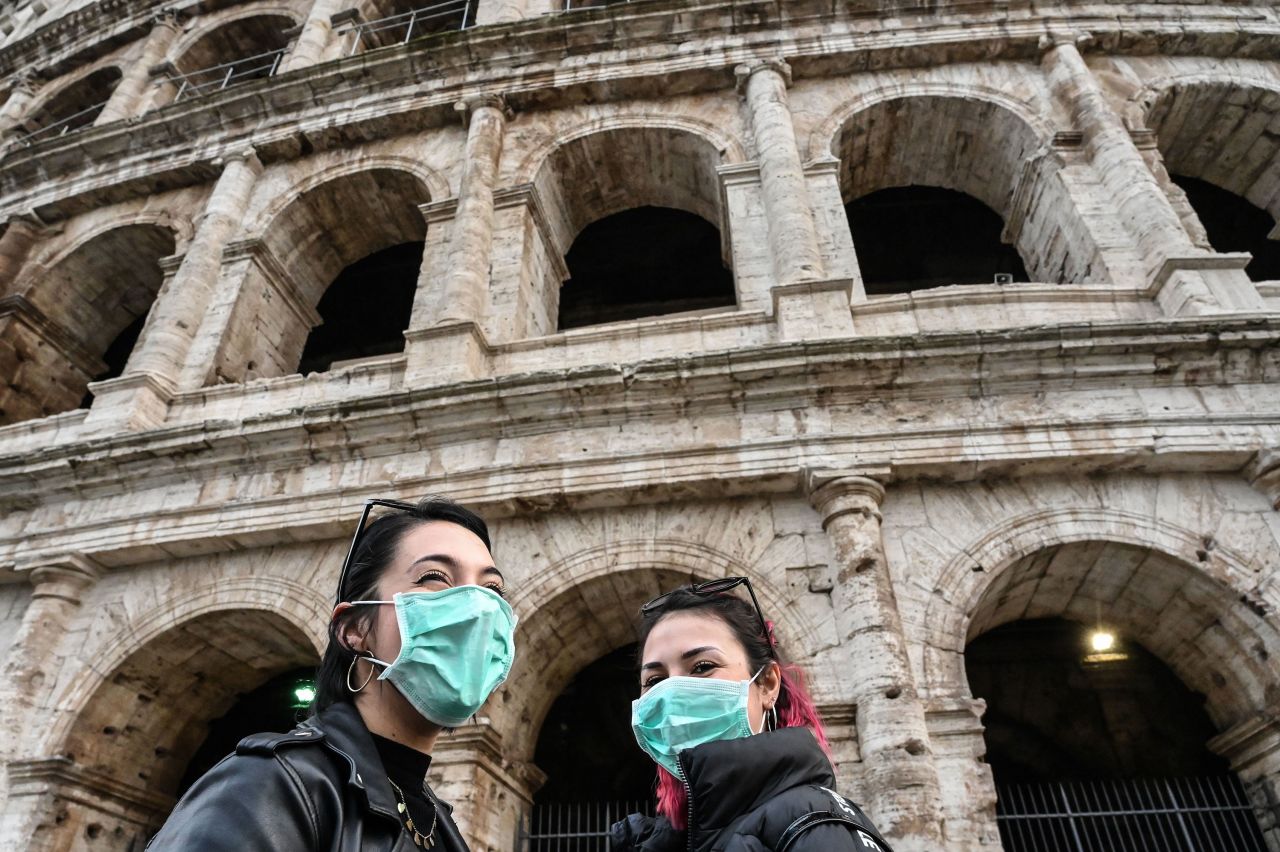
407	768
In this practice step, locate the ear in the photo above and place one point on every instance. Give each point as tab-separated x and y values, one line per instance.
770	684
349	632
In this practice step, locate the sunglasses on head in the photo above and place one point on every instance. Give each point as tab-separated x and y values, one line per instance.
712	588
369	505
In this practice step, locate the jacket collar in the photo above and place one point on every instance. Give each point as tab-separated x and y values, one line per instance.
729	778
345	733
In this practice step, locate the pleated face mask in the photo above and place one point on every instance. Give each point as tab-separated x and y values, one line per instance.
681	713
456	647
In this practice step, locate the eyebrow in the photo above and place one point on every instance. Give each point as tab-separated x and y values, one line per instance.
452	564
692	652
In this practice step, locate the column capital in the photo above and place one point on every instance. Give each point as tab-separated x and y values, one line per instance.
467	107
839	492
1263	473
248	156
27	81
65	576
1080	39
747	70
166	17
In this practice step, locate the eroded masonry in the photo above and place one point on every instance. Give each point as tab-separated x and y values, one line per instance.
953	326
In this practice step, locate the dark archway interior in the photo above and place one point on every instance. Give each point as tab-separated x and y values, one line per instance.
586	746
915	237
1234	224
117	355
274	707
366	309
1056	711
644	262
402	20
79	104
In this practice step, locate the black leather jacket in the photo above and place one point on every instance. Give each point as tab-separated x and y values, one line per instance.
746	793
319	788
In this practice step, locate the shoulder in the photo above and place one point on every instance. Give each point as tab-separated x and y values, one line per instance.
640	833
819	817
267	795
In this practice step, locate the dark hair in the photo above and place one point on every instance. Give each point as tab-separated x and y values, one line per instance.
795	706
374	553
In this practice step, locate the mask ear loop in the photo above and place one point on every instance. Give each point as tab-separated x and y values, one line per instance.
773	718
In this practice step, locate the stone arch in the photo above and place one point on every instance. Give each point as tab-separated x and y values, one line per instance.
349	214
72	305
126	730
1016	571
251	40
75	102
1230	144
982	143
180	54
586	605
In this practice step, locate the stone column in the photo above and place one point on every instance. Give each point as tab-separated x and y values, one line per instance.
59	585
158	366
129	96
1252	749
1171	260
316	37
15	245
501	11
471	243
900	778
1263	473
793	234
14	111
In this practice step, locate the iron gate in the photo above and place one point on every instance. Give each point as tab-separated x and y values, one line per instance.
1160	815
575	826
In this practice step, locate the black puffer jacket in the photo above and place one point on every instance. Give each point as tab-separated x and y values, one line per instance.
746	793
319	788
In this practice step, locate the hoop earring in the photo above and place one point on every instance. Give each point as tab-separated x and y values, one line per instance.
773	718
351	668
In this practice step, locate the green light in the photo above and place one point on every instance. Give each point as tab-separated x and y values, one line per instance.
304	692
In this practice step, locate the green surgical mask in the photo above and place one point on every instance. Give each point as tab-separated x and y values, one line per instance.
681	713
456	647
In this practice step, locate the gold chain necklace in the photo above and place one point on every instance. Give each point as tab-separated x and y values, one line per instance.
426	841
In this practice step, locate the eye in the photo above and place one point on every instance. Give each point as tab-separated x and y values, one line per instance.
651	680
433	576
497	588
702	667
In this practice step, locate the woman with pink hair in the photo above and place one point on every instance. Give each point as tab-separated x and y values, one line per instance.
743	764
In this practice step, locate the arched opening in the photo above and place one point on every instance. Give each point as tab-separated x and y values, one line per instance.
241	50
133	744
349	251
929	183
1216	135
916	237
82	322
76	106
276	706
595	773
365	311
1106	670
645	262
1233	224
639	236
383	23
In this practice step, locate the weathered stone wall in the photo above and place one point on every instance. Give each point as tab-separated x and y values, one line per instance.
897	475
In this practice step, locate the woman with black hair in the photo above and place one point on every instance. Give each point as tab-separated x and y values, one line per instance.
419	638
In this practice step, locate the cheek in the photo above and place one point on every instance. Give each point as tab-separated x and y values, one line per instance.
386	634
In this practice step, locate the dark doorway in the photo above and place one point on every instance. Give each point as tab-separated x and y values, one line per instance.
366	309
1234	224
596	774
275	707
117	355
1091	745
915	237
644	262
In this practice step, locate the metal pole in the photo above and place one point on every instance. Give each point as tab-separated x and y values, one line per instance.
413	16
227	79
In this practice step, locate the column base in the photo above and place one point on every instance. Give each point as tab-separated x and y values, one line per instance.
130	403
809	310
1205	284
445	354
490	793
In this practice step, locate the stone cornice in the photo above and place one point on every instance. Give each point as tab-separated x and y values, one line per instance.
839	376
88	32
287	114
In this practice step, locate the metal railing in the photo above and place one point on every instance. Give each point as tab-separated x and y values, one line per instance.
62	126
218	77
1161	815
447	16
575	826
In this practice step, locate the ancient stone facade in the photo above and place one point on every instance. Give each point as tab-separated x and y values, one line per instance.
897	474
